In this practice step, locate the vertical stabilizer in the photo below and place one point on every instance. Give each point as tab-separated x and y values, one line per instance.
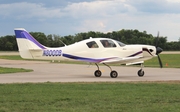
27	44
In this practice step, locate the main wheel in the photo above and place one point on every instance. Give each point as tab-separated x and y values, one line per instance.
97	73
113	74
140	73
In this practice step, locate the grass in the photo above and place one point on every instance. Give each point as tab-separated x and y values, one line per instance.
11	57
90	97
4	70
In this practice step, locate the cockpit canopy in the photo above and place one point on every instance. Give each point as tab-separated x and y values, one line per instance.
106	43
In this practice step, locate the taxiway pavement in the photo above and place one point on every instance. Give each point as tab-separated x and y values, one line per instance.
56	72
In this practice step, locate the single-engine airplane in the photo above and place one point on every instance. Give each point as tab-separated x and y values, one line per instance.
93	50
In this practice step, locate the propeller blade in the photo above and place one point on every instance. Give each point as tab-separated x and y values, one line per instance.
157	39
158	50
160	62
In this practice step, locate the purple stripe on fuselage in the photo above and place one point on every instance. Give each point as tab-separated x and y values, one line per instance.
25	35
135	54
145	49
86	59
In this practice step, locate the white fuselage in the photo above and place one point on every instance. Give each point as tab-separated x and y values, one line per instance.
81	50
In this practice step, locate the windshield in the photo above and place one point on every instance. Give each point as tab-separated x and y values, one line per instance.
121	44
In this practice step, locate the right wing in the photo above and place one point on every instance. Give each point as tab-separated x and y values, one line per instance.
127	60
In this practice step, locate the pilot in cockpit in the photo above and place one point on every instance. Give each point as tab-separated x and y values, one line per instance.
105	43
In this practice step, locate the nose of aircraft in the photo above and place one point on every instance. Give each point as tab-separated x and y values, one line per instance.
158	50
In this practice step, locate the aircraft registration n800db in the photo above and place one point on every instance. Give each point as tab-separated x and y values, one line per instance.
93	50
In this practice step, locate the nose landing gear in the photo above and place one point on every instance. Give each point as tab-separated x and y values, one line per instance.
141	71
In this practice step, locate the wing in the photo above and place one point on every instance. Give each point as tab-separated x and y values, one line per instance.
127	60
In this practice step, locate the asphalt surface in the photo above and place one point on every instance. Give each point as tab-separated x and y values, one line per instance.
56	72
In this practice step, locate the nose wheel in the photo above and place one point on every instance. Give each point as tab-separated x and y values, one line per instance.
140	73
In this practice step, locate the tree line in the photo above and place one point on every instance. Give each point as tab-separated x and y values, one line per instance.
8	43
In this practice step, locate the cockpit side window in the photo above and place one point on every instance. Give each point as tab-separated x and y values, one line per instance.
92	44
108	43
121	44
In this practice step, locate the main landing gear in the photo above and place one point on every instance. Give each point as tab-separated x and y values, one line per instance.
98	73
114	74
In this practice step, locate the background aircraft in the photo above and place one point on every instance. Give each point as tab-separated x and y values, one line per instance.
93	50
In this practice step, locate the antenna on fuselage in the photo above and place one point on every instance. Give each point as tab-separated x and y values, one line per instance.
62	42
58	39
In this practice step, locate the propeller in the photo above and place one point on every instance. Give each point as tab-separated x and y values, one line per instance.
158	51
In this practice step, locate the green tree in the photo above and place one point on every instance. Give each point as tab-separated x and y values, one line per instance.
8	43
9	46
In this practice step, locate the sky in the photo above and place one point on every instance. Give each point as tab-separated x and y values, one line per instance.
69	17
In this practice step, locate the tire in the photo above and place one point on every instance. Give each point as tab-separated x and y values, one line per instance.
97	73
140	73
113	74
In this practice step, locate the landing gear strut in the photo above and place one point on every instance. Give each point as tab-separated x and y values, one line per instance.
141	71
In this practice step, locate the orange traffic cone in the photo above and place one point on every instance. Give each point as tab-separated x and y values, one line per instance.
166	64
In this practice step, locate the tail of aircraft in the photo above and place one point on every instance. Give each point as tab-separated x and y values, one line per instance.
28	46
